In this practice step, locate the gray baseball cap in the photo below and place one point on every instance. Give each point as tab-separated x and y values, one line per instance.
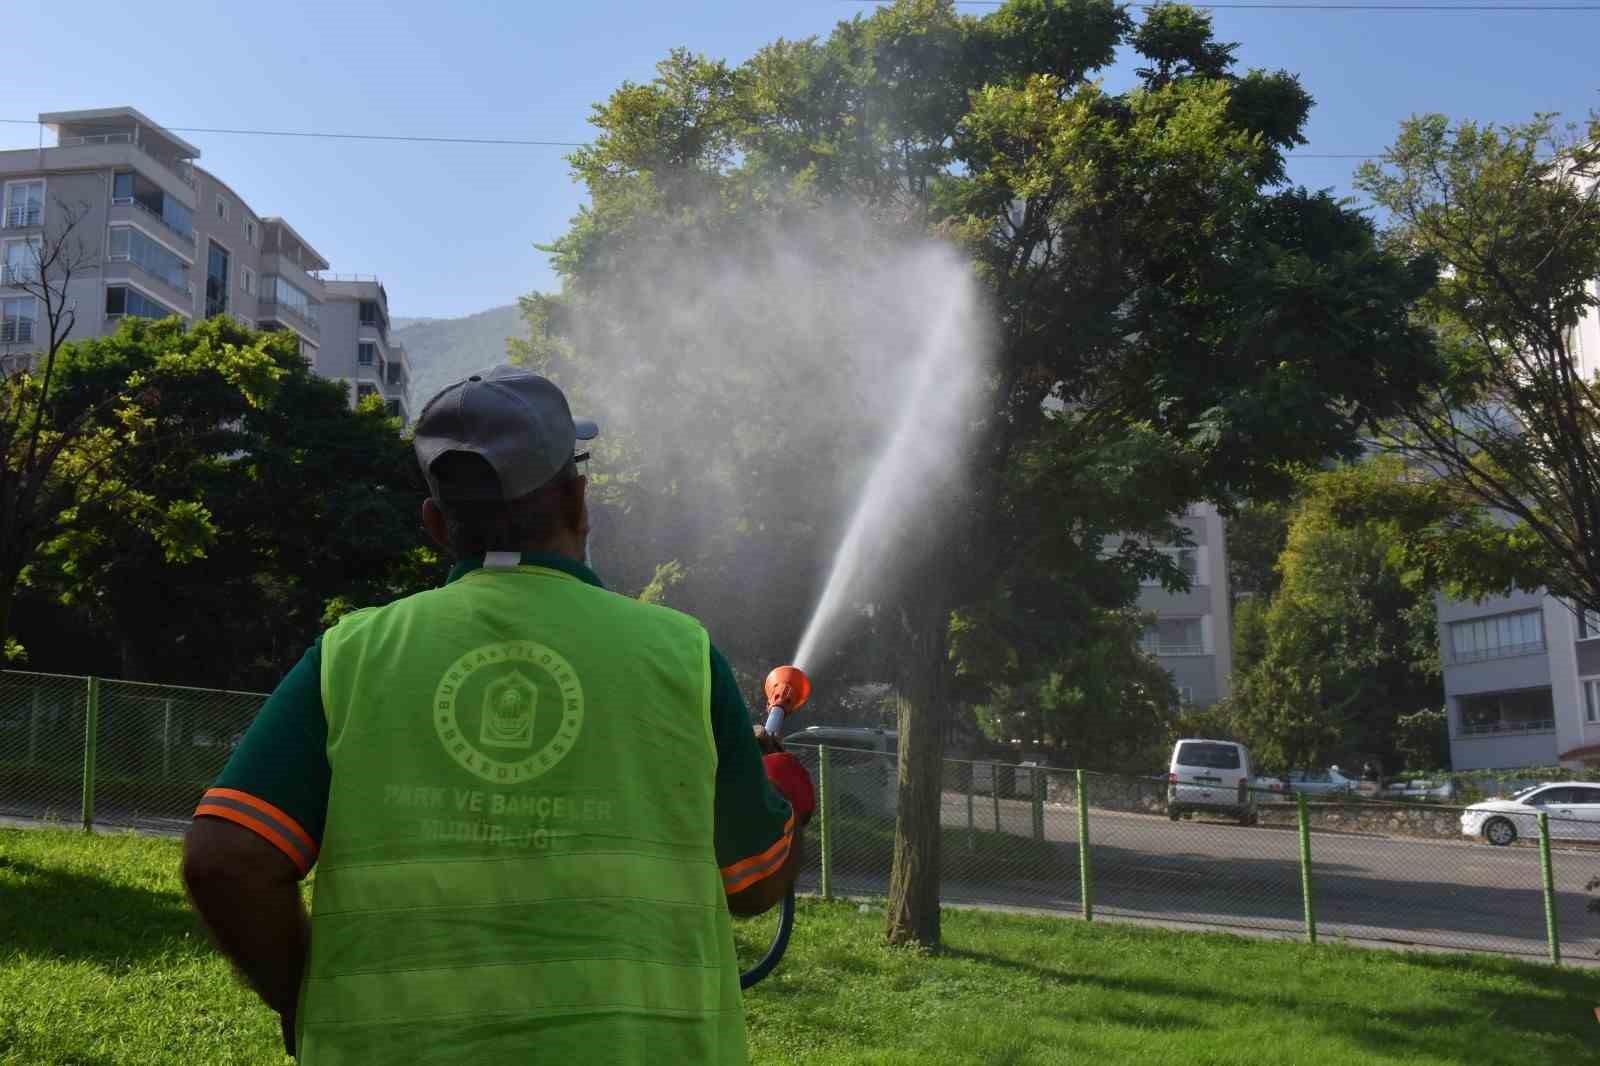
515	420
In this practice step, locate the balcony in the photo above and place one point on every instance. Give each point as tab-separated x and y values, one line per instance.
127	209
177	167
297	318
16	331
169	290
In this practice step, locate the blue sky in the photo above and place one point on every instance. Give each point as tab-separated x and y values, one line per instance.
451	229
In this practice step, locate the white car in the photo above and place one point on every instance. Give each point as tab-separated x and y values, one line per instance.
1574	811
1322	782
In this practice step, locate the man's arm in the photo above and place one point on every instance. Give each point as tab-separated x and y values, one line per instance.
256	833
247	892
768	892
757	832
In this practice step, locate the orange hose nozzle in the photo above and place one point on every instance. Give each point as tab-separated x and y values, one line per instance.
788	687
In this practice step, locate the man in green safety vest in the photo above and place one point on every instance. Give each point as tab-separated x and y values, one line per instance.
531	803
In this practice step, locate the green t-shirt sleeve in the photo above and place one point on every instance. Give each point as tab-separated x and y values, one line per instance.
277	780
753	822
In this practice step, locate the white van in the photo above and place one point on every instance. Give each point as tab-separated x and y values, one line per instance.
862	771
1210	776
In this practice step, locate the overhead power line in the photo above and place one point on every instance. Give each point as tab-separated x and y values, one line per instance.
512	141
348	136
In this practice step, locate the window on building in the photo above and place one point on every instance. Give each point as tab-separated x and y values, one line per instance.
121	300
394	408
216	280
1525	711
128	243
130	187
18	317
365	389
1588	625
21	262
1498	637
24	204
250	232
247	280
282	291
370	314
394	377
366	353
1189	562
1591	700
222	208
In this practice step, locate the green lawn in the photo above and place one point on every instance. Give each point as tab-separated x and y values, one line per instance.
101	963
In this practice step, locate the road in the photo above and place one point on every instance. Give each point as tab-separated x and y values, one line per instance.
1367	889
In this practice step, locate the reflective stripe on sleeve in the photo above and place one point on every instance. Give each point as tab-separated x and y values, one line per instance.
263	819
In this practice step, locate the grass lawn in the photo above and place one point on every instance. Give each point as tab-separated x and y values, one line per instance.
101	963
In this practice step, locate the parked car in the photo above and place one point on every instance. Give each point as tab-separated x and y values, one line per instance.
1574	811
1270	789
1430	789
859	784
1211	776
1329	782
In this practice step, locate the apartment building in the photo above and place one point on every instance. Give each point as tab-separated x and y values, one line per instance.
162	236
359	349
1521	682
1192	635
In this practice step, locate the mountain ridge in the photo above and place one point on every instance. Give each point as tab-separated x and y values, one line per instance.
442	350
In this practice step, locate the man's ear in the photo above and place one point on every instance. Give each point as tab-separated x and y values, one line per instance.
433	521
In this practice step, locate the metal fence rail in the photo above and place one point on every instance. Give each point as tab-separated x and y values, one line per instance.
94	752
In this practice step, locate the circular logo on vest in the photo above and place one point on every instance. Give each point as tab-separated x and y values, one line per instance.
494	704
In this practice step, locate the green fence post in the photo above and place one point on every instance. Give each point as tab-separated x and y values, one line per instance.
825	806
1552	933
1305	868
1085	873
972	832
91	733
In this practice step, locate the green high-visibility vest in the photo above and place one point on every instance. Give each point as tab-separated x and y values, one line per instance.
518	865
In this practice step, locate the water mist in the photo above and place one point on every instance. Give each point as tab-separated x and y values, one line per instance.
812	385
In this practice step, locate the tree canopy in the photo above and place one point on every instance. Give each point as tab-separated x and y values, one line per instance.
226	532
1156	297
1499	486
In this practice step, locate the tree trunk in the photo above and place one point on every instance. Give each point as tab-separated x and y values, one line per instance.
914	883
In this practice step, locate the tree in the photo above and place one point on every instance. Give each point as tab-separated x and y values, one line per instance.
1349	650
1501	485
1146	276
302	509
65	447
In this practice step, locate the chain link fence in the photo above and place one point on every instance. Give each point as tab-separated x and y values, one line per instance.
1363	871
123	754
113	753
